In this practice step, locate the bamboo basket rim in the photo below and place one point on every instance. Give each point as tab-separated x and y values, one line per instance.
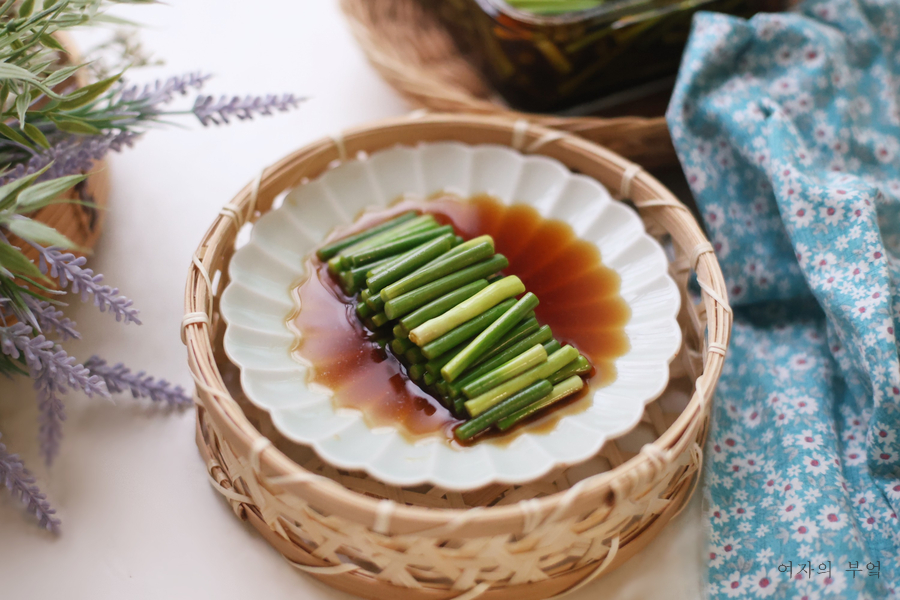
646	193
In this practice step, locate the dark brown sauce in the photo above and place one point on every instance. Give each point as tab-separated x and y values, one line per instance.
579	299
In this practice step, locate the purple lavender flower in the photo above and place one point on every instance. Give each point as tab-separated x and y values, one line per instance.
66	267
50	319
120	379
52	415
48	363
160	92
209	111
20	482
75	154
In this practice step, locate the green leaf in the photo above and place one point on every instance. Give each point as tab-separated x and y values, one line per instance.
61	75
6	6
51	42
22	104
88	93
35	231
15	73
10	191
26	8
35	134
10	133
12	259
8	71
44	193
73	125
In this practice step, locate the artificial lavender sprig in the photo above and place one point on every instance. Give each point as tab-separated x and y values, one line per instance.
20	483
209	111
120	379
67	268
75	154
160	92
52	415
50	319
47	362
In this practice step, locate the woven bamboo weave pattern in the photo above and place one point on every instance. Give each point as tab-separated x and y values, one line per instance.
536	540
418	58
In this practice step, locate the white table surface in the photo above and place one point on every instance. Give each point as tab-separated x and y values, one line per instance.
140	519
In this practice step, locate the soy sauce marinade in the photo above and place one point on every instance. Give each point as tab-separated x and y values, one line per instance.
579	300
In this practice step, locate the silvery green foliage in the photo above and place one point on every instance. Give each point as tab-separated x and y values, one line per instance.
51	134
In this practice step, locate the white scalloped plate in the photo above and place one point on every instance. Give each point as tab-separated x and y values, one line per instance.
263	272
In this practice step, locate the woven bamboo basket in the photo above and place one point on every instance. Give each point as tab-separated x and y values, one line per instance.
525	542
416	55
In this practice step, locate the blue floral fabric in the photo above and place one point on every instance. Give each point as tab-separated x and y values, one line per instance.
788	130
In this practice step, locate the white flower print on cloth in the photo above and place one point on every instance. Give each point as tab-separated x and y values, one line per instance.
788	128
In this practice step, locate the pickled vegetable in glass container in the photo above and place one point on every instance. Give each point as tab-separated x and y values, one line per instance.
543	56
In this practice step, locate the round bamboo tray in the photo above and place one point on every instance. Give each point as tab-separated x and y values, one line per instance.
416	55
524	542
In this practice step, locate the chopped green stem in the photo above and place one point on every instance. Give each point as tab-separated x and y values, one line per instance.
363	311
441	305
415	356
522	398
401	345
525	328
335	247
519	364
438	269
463	246
490	336
412	261
579	366
336	263
538	337
552	346
405	304
463	332
487	298
379	319
428	379
495	396
354	279
376	303
434	365
417	225
459	407
441	386
416	372
396	246
560	390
